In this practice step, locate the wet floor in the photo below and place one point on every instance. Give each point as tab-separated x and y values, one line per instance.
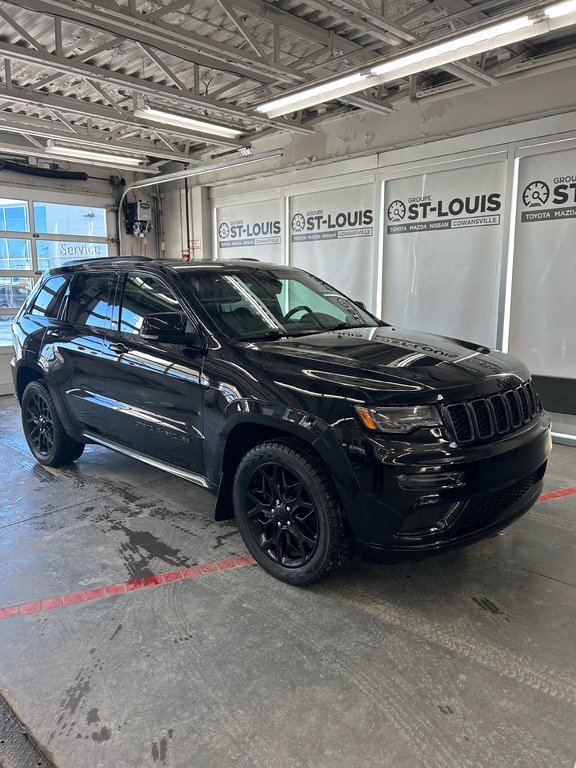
461	661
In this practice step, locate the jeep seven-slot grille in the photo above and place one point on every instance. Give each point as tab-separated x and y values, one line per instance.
491	417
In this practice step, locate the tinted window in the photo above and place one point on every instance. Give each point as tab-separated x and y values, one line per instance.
49	300
144	295
92	300
273	301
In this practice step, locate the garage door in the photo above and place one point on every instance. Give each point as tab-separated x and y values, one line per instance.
38	232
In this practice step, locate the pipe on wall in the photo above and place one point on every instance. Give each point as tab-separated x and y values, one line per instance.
190	173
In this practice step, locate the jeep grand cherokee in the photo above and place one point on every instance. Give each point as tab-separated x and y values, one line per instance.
320	427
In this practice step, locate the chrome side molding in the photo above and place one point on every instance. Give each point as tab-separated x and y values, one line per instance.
186	474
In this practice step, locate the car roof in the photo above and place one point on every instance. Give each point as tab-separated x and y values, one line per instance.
117	262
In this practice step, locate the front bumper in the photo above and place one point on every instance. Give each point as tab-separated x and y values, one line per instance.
423	495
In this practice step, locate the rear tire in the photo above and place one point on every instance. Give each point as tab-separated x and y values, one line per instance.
289	514
43	430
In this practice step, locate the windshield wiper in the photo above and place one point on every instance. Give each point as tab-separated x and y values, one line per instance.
276	334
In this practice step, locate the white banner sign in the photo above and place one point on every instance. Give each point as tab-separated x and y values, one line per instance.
251	230
332	236
442	251
543	310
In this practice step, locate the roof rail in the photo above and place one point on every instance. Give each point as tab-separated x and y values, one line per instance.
107	260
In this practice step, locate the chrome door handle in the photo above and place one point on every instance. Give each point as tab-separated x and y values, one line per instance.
119	348
55	333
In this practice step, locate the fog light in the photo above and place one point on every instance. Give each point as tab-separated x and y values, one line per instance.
428	519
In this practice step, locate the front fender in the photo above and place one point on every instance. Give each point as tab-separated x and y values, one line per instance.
252	422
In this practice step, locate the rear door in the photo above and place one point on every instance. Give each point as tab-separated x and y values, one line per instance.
156	387
80	360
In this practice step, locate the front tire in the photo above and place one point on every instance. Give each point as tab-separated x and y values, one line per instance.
43	430
289	514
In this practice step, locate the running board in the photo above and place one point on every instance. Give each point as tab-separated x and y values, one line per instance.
158	463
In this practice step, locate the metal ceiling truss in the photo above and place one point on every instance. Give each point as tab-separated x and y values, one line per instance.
75	70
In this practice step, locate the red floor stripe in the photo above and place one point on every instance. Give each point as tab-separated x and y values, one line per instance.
127	586
49	603
557	494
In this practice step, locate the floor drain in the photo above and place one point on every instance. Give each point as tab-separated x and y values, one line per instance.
17	747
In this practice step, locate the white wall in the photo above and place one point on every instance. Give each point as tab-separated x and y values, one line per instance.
174	234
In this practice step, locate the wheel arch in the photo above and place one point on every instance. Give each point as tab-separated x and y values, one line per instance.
24	376
246	434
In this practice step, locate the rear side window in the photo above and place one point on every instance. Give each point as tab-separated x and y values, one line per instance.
144	295
49	299
92	301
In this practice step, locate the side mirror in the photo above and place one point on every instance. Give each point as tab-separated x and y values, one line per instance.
361	305
169	328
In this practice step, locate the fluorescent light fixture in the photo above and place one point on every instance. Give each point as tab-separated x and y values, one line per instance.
560	9
458	48
94	156
538	22
315	95
168	118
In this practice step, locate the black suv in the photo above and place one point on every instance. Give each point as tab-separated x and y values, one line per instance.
317	425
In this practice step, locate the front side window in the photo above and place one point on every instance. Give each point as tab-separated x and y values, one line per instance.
49	299
273	302
144	295
92	301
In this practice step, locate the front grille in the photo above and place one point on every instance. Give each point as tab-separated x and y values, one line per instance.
493	416
485	510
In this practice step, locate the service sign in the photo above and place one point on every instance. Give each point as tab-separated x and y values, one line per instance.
543	309
332	236
250	230
54	253
443	249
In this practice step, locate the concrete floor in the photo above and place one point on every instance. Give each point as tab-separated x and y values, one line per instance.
464	660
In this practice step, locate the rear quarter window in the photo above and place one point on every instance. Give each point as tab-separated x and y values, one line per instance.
49	299
92	300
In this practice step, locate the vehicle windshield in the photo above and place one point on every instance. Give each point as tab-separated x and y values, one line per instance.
272	303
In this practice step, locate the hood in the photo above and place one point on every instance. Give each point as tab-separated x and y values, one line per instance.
384	361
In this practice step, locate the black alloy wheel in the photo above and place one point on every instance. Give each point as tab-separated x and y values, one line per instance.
43	429
281	515
289	513
39	424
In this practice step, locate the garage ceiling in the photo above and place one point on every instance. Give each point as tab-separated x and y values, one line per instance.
74	72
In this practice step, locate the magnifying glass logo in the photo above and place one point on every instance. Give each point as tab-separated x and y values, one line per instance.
536	194
396	210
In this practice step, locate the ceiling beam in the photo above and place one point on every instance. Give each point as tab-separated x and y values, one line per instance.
275	15
184	44
375	24
49	129
244	31
146	87
103	112
21	31
13	144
